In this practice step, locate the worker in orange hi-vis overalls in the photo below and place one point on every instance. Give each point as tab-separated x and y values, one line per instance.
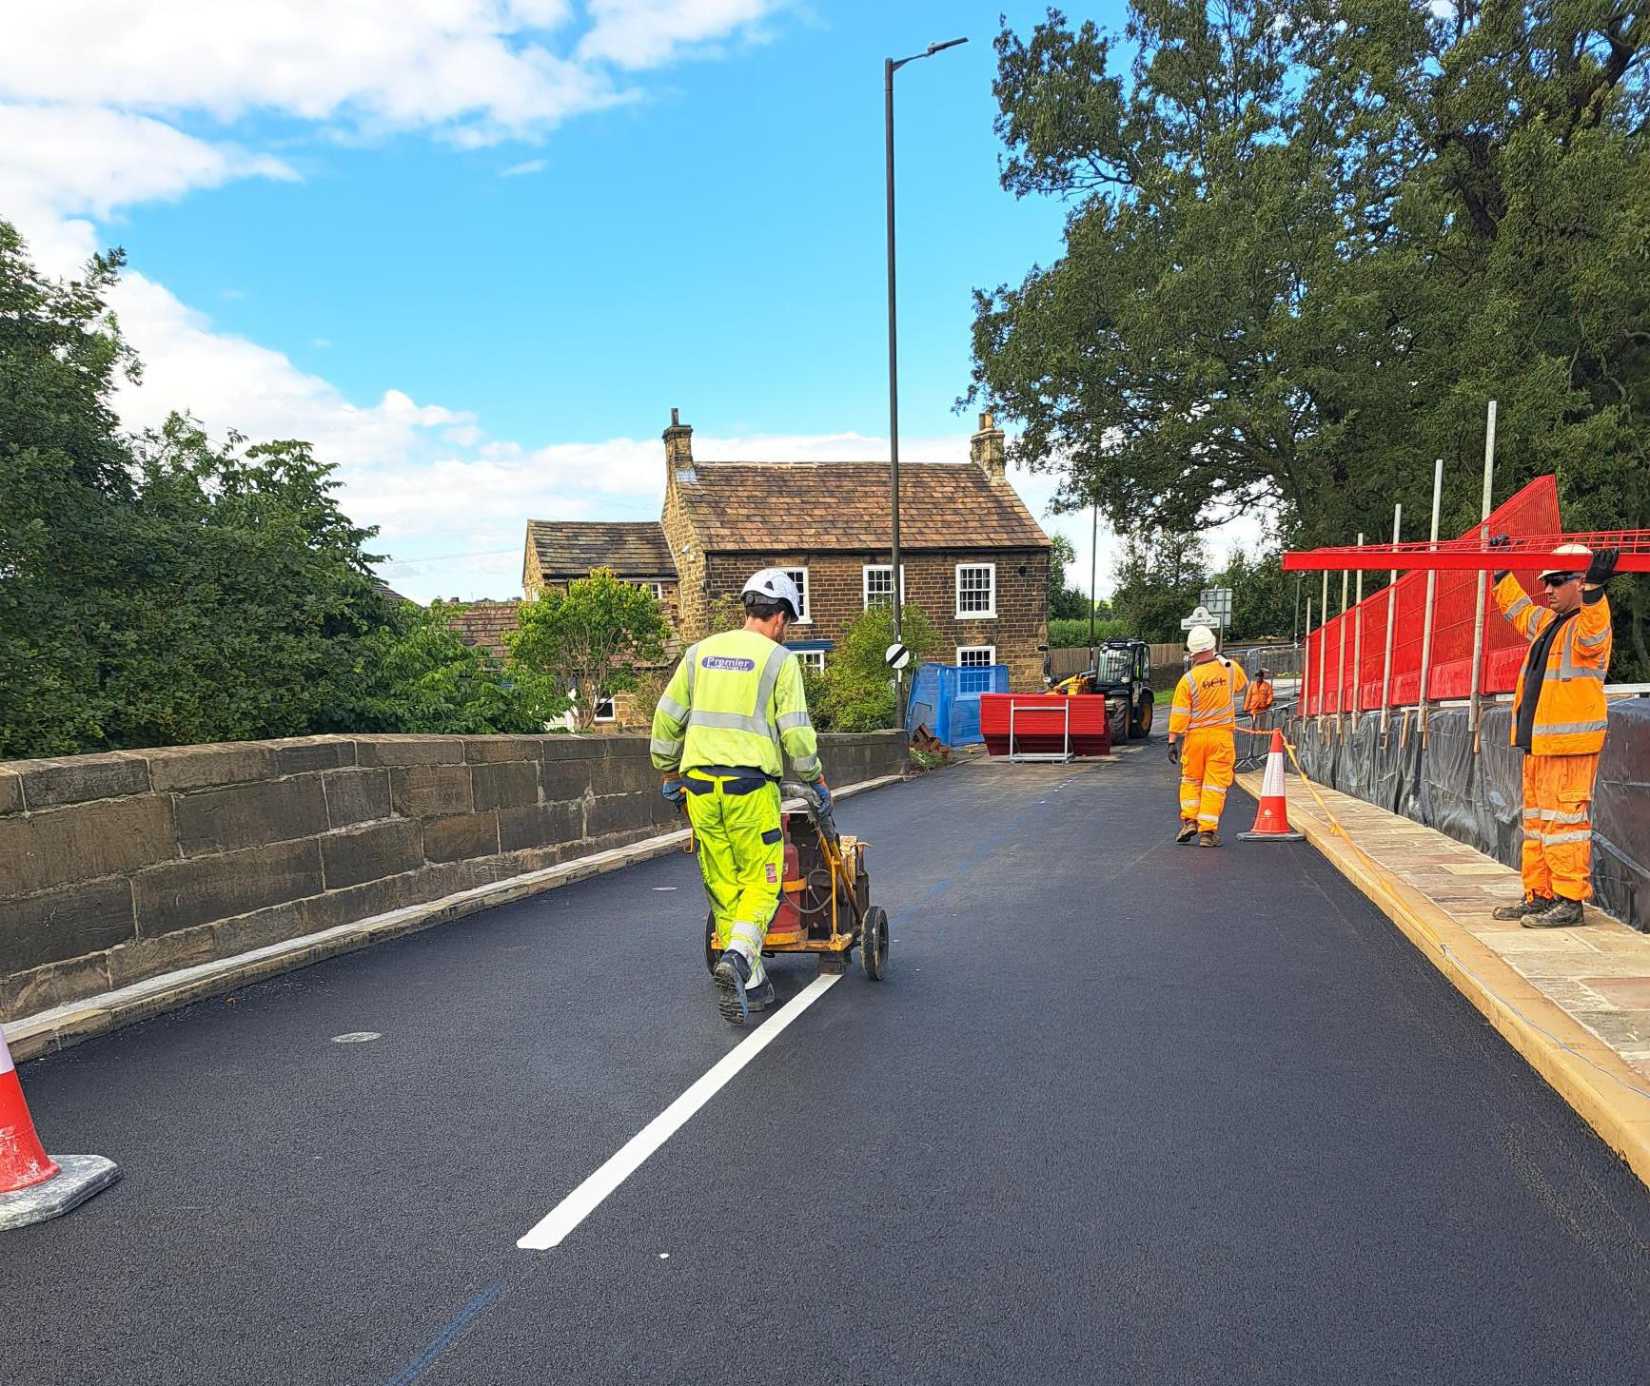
1559	724
1260	694
1204	712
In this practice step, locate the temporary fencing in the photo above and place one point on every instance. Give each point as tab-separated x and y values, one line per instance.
1334	685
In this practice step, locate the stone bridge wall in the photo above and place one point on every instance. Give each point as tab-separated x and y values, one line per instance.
118	867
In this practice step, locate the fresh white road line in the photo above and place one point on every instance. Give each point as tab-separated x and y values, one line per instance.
553	1227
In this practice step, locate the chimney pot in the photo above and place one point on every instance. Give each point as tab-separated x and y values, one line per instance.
986	451
678	445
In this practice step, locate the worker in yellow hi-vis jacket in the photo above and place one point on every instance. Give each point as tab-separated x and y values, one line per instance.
733	712
1204	713
1559	723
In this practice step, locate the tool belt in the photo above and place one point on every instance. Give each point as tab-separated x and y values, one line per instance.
734	779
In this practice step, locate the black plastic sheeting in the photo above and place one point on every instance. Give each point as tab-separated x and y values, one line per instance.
1478	799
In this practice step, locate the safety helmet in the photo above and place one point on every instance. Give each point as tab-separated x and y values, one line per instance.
1583	557
775	585
1200	640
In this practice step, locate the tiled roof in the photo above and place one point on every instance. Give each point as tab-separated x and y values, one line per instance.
486	624
572	548
736	506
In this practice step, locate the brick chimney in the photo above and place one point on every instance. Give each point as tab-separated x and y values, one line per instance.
985	449
678	445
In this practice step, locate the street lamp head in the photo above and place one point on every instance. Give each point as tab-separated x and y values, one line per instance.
934	48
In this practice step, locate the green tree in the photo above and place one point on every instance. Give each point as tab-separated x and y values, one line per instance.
1064	602
421	677
1308	241
589	642
858	687
1159	576
1263	595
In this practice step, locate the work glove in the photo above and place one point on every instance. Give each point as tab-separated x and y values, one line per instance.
824	791
1500	541
673	791
1602	568
1174	752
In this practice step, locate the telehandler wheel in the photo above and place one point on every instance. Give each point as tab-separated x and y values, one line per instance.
710	941
1142	719
873	943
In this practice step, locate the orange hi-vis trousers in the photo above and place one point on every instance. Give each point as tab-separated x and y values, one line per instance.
1206	762
1558	825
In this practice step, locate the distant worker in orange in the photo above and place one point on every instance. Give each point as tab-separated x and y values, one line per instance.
1204	712
1260	694
1559	724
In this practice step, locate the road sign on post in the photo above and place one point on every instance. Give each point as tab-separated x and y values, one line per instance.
897	656
1200	617
1217	601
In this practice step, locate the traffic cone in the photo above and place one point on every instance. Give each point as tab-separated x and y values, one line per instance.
33	1186
1272	822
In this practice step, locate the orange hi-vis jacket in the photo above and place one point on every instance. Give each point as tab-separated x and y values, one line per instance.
1570	712
1260	697
1206	698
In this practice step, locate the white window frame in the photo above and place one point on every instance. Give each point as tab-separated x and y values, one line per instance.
991	656
657	588
800	577
865	571
612	714
987	615
811	659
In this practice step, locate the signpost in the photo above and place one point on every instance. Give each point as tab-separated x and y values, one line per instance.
1200	617
1217	601
896	656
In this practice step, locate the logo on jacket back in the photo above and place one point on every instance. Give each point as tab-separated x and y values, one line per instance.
731	663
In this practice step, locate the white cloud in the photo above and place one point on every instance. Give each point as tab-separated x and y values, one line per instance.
524	168
647	33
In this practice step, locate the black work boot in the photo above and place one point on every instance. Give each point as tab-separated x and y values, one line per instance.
731	973
1530	904
1188	830
1561	915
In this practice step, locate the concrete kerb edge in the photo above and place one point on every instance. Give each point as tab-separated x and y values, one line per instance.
63	1026
1573	1061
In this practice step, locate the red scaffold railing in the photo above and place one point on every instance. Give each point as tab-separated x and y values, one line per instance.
1525	552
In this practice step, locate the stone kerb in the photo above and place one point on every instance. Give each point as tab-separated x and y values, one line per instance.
115	868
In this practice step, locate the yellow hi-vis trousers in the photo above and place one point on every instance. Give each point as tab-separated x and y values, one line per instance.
741	856
1206	762
1558	825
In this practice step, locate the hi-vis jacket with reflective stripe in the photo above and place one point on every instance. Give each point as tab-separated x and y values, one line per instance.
1207	697
736	699
1570	713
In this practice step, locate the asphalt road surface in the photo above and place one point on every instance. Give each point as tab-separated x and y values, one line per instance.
1122	1112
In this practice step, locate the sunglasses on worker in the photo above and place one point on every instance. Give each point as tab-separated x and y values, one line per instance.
1558	579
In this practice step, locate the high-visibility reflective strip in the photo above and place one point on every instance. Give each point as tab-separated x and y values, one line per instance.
1212	819
660	747
690	662
808	769
730	721
791	720
1581	674
770	677
1568	728
1554	839
1557	816
1592	642
672	709
1532	834
1516	607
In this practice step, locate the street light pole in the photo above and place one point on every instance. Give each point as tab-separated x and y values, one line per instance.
889	67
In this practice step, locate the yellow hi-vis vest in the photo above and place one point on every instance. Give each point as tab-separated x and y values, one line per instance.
1206	698
736	699
1570	713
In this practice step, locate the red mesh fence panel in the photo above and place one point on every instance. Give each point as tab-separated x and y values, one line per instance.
1533	511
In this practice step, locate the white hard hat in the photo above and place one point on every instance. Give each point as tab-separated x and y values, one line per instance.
1200	640
1583	557
775	584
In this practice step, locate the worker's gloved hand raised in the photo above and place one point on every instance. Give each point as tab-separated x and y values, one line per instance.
1500	541
1602	568
673	791
824	791
1174	752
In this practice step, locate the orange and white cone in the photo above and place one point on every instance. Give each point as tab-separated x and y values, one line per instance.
1272	822
34	1186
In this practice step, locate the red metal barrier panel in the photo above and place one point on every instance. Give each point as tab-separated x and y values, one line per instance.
1040	723
1532	511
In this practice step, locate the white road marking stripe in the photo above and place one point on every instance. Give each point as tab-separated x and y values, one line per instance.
553	1227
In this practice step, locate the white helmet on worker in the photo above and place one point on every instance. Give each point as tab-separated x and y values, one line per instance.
1583	557
775	585
1200	641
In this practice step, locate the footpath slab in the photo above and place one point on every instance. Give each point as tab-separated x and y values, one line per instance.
1574	1002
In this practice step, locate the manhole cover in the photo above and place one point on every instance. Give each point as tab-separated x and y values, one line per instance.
357	1037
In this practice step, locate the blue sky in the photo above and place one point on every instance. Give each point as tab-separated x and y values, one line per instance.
481	291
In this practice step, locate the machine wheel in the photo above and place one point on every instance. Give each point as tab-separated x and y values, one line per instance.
1141	723
873	943
1117	723
710	941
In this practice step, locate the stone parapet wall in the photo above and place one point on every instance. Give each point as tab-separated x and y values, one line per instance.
114	868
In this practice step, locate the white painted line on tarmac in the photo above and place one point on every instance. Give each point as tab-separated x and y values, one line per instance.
554	1226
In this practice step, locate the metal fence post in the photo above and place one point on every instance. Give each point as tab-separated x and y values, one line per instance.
1303	702
1391	625
1478	589
1358	645
1340	678
1323	653
1432	588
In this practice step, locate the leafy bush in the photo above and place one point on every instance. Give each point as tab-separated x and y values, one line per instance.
858	687
1074	634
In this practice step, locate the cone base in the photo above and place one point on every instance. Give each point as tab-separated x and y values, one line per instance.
81	1176
1272	837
